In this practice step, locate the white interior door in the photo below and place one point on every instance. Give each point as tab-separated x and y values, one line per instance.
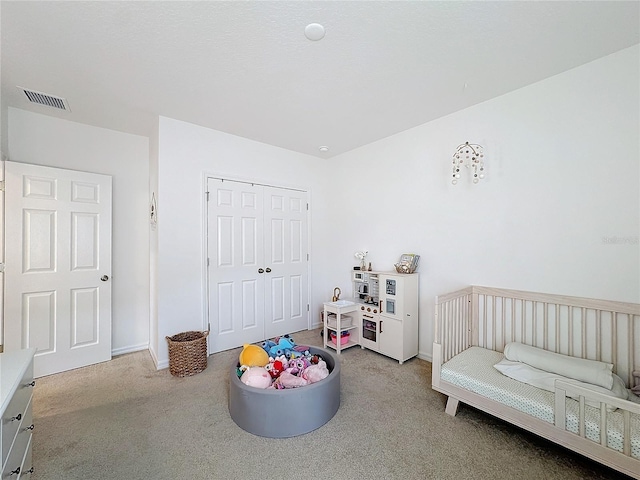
257	255
58	266
285	246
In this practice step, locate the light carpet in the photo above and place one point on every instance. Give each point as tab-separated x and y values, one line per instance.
124	419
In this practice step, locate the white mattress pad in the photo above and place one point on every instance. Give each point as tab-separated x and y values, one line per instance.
473	370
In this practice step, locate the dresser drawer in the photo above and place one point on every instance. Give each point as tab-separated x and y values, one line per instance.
14	416
19	461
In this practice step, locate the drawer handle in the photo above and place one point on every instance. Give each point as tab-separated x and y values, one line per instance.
30	427
15	472
30	384
17	417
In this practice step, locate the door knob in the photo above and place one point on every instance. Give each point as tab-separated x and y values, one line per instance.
268	270
260	270
104	278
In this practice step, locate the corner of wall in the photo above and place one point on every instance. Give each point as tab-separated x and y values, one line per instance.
153	246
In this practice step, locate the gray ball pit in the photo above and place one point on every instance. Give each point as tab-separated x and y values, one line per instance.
289	412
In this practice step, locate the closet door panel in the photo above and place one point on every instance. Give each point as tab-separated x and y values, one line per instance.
234	245
286	249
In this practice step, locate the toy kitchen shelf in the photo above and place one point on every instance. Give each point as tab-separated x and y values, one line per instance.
337	310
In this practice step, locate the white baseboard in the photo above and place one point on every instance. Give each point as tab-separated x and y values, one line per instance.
159	365
129	349
425	356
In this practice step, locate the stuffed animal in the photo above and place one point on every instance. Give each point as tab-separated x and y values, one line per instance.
267	344
276	367
297	366
253	356
303	349
289	380
315	373
257	377
285	345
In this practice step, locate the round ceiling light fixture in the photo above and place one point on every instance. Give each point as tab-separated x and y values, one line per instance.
323	149
314	32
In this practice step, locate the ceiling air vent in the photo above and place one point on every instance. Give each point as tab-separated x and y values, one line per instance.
46	99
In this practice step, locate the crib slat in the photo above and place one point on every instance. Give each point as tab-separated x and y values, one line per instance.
474	320
598	335
557	340
581	419
626	448
523	329
570	331
603	424
614	338
630	356
545	326
513	320
583	332
560	408
493	321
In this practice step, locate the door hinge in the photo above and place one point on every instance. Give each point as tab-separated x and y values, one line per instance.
307	206
307	307
1	267
207	193
307	257
1	185
208	261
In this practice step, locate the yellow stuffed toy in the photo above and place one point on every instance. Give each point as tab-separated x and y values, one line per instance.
253	356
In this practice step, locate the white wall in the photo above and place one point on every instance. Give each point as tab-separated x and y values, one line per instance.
185	153
42	140
559	211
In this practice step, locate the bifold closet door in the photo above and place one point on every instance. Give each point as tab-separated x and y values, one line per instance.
257	262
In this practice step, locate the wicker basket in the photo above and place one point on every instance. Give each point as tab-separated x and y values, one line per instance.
187	353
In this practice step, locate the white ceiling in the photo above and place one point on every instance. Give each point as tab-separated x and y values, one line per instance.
246	68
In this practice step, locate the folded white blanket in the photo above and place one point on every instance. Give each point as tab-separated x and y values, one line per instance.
589	371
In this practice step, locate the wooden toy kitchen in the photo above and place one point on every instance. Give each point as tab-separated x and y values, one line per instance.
381	316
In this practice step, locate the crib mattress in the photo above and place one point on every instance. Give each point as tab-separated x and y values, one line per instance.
473	370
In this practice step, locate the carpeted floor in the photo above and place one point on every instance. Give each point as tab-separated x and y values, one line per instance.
124	419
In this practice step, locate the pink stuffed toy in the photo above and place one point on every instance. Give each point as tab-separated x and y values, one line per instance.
257	377
289	380
315	373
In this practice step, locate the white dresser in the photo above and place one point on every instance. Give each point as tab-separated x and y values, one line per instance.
16	392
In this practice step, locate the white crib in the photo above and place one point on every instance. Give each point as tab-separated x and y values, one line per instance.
601	330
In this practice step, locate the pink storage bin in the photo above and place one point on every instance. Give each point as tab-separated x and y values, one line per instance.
343	339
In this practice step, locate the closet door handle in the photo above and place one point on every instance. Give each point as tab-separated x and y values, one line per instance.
260	270
268	270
